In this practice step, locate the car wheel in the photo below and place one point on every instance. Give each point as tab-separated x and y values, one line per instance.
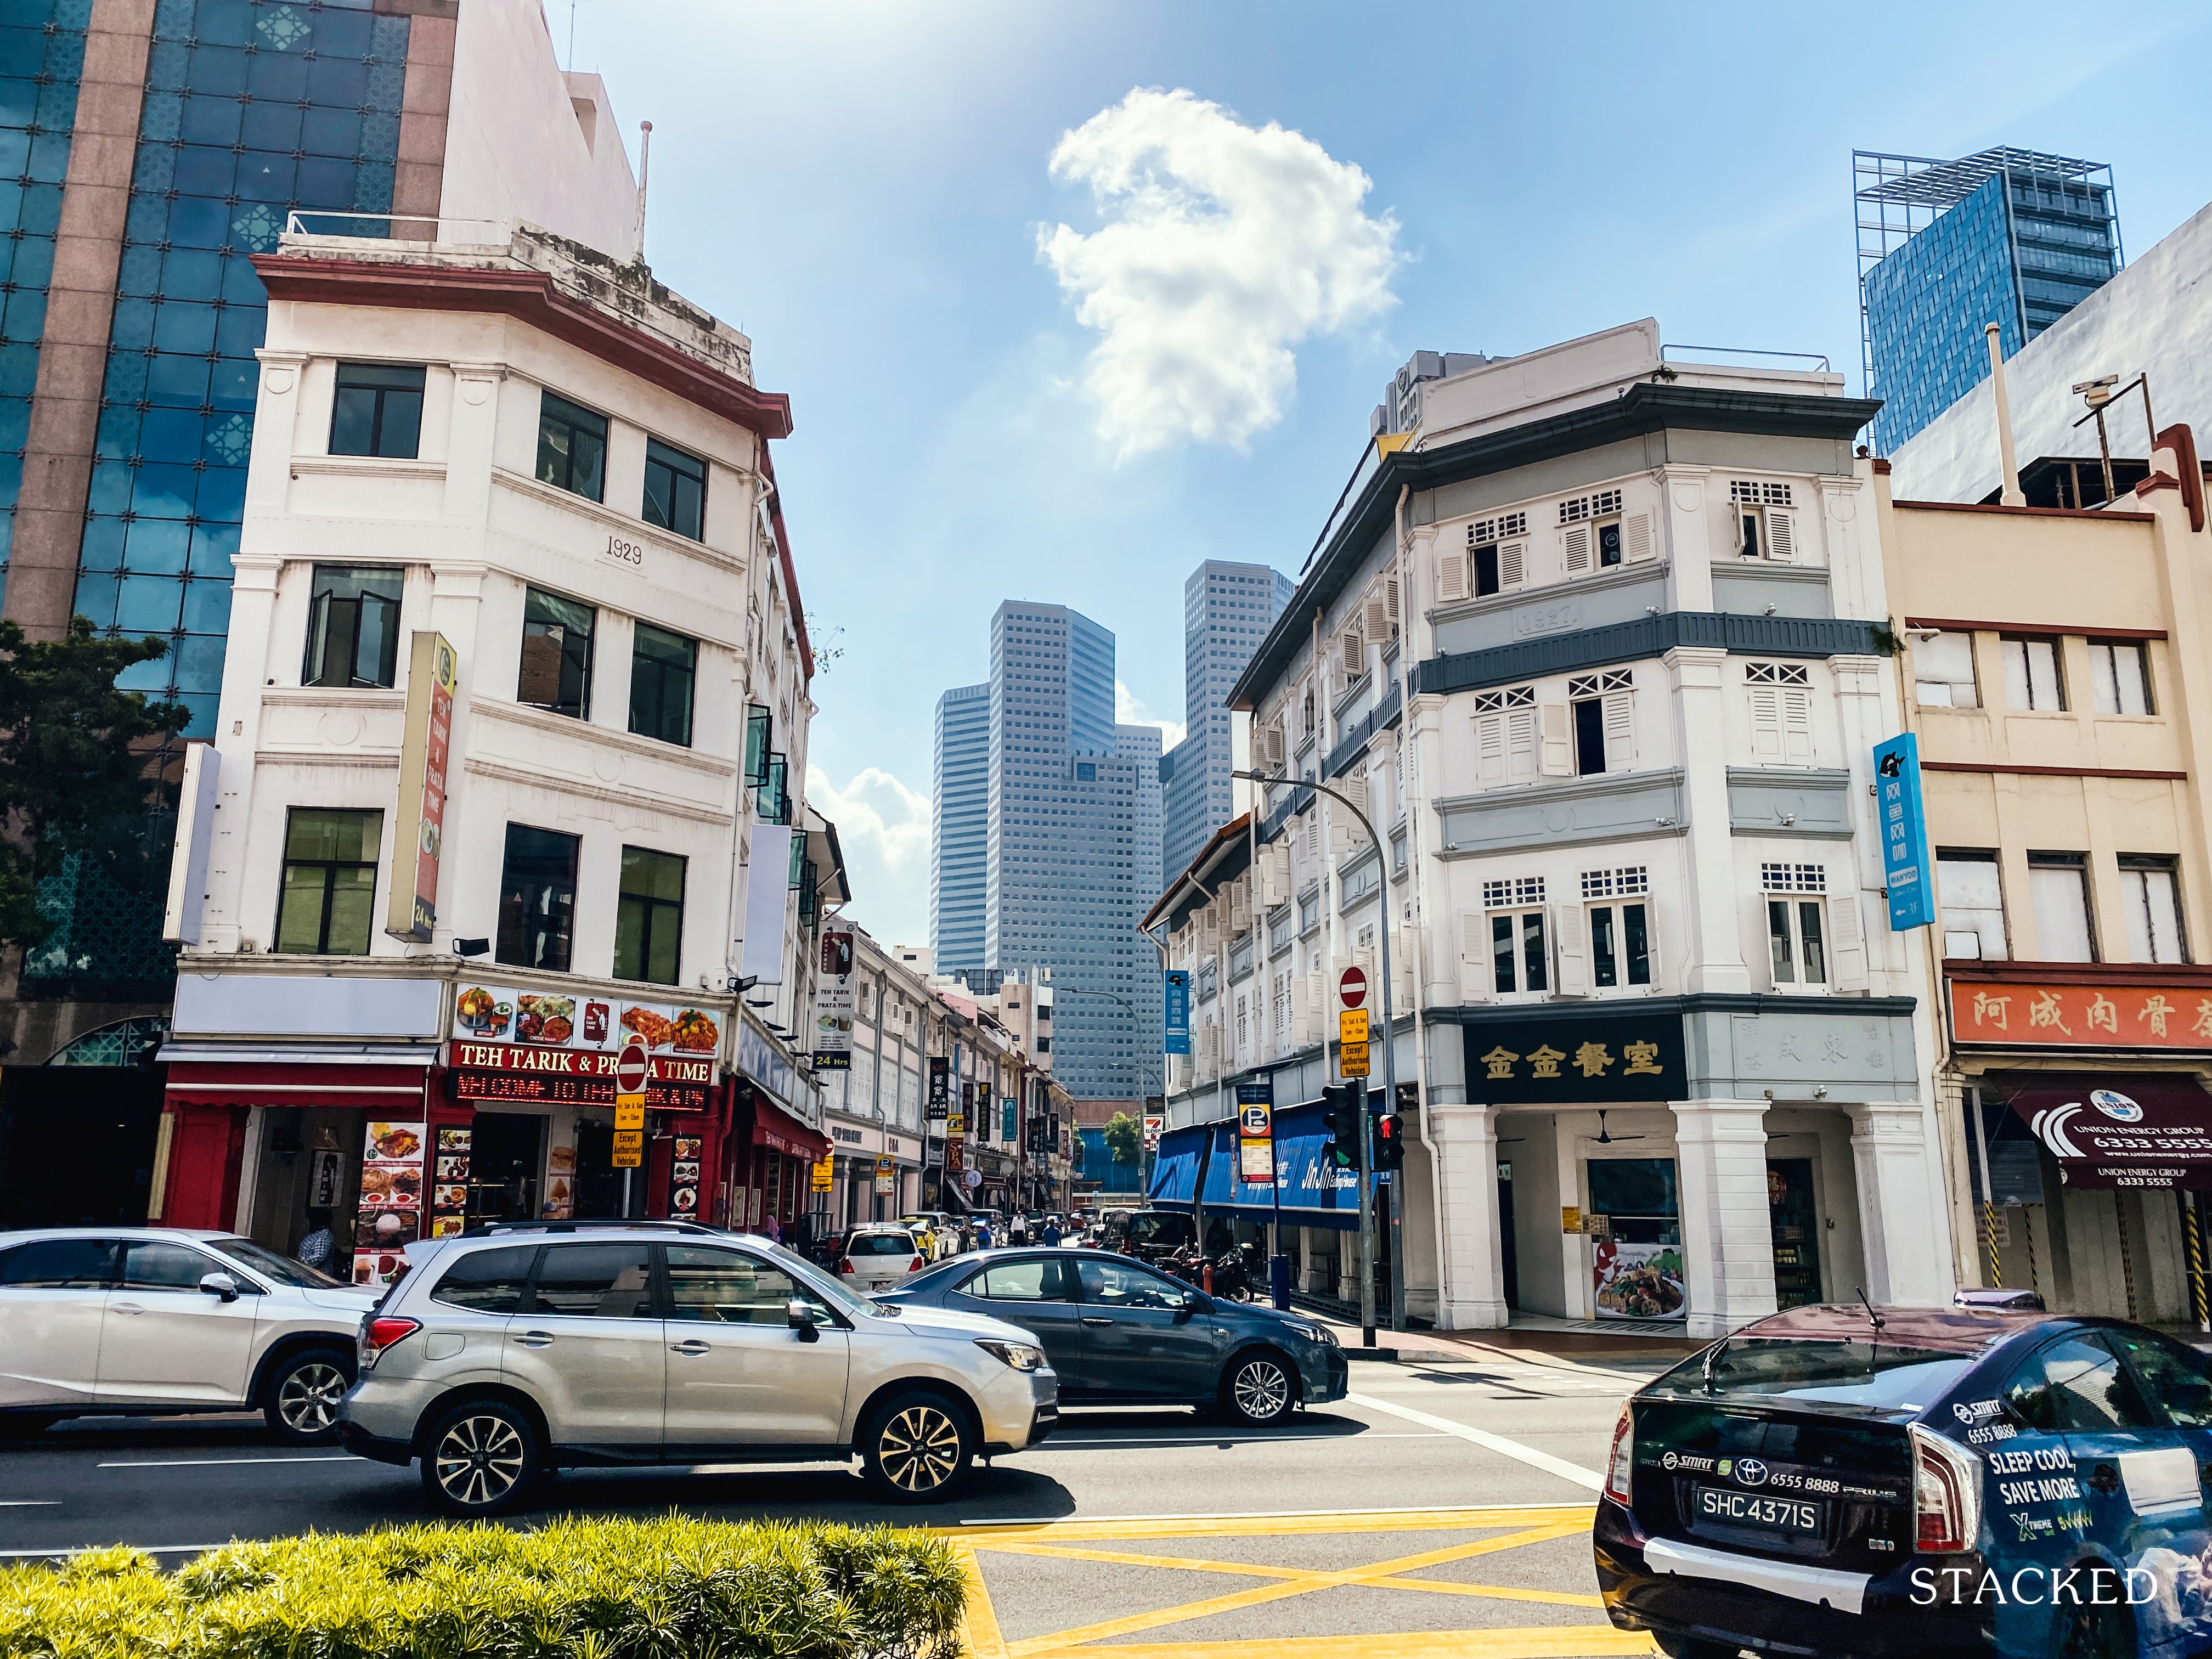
481	1459
300	1399
917	1448
2091	1631
1259	1389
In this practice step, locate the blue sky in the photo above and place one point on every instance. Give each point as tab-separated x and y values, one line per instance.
869	191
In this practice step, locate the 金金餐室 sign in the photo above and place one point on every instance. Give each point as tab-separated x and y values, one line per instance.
1576	1055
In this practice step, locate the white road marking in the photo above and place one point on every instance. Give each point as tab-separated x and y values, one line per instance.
29	1503
1237	1515
1497	1443
225	1462
1076	1443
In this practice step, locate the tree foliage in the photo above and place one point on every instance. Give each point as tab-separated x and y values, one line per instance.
1124	1135
73	757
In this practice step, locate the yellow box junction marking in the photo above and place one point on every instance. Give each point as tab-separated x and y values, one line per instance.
1063	1540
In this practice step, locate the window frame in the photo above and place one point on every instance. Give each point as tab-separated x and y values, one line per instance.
379	411
650	909
1519	950
329	867
2026	643
507	883
659	671
324	601
1622	960
669	459
2145	864
2105	653
573	419
1921	682
589	634
2078	863
1976	856
1788	941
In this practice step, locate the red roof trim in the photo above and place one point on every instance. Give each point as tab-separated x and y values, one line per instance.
530	297
2082	515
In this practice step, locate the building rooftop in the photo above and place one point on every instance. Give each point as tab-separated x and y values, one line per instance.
1931	182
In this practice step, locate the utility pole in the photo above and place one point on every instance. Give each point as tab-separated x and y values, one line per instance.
1389	1043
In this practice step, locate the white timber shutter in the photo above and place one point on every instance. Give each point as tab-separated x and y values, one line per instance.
1578	540
1451	575
1376	624
1512	564
1797	724
1765	723
1557	739
1390	602
1570	951
1490	749
1780	535
1635	536
1848	944
1473	946
1619	731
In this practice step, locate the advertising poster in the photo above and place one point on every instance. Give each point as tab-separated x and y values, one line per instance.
1638	1281
1175	1010
432	676
940	1088
390	1216
449	1182
833	1005
508	1013
683	1177
1906	867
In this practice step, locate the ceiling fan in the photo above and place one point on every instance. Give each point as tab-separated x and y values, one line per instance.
1604	1139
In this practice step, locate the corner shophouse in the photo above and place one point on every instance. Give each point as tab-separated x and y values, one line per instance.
2056	679
1601	646
506	501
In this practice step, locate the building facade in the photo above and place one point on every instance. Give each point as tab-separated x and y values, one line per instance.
1227	609
1601	651
505	770
1069	857
2012	237
2055	667
960	829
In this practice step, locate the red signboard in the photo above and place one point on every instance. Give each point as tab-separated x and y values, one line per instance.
1351	987
2030	1013
2117	1129
500	1071
630	1070
412	913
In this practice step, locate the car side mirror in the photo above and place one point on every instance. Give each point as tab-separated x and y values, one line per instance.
219	1285
1194	1302
803	1318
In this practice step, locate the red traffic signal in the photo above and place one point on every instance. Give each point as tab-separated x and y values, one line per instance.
1389	1145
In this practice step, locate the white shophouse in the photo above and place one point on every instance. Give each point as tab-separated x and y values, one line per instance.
507	447
1601	640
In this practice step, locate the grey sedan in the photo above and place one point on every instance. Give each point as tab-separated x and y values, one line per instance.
1118	1332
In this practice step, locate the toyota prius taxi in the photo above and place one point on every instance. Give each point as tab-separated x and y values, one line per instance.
1847	1481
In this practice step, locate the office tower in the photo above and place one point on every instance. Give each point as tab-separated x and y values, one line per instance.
2007	236
1064	867
1227	609
960	831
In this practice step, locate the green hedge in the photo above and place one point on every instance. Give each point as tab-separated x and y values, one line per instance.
672	1589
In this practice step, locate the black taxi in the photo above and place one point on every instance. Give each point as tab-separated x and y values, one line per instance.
1849	1481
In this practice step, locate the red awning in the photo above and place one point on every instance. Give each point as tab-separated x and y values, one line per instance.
2113	1129
778	1130
386	1089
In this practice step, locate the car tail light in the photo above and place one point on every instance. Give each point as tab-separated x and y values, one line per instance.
844	1264
379	1332
1621	1464
1947	1494
914	1266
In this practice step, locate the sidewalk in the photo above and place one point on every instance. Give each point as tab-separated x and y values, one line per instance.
1602	1349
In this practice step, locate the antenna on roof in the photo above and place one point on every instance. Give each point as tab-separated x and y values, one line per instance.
644	172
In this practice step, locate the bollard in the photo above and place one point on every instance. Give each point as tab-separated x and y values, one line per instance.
1278	1280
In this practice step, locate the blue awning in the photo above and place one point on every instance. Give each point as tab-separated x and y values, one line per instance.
1314	1192
1174	1167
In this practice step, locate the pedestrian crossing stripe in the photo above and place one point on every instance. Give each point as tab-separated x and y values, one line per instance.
1065	1541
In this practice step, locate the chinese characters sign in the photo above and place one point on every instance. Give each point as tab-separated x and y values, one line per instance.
2026	1013
1575	1056
1906	872
1175	1012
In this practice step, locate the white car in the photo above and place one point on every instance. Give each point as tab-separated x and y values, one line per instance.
146	1321
875	1257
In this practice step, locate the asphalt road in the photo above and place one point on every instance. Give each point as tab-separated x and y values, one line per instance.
1443	1504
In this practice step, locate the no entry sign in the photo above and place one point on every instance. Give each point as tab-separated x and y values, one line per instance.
1351	987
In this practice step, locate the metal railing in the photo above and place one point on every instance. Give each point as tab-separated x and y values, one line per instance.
1790	358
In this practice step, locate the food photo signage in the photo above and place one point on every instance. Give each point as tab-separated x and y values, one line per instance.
833	1003
389	1214
509	1013
1576	1056
505	1070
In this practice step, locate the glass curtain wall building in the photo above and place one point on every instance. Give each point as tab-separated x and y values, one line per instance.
1227	609
251	109
2012	237
1069	859
960	833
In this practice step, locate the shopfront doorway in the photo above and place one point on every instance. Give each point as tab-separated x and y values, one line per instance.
1507	1254
1637	1271
507	1166
1793	1217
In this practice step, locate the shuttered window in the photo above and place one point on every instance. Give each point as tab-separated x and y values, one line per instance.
1781	697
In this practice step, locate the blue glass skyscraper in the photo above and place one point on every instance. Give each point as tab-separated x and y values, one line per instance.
1069	859
1227	609
960	830
2007	236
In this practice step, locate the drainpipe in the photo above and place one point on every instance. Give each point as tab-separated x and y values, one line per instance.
2012	496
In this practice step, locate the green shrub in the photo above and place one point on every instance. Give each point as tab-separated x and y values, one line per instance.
672	1588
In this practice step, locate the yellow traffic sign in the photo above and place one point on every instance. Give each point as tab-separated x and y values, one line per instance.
825	1173
629	1149
630	1112
1352	1025
1351	1061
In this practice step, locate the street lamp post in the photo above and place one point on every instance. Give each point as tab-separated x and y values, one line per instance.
1389	1044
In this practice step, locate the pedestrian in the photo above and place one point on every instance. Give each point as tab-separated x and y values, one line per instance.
319	1249
773	1228
983	1234
1051	1232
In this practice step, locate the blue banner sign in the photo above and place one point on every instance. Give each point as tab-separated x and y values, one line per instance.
1908	872
1174	1008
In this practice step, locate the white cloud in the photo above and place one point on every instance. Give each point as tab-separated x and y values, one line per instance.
1225	245
1127	711
884	828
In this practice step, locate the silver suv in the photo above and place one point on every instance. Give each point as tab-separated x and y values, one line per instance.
494	1359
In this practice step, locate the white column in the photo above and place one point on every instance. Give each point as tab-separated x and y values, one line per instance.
1687	533
1727	1242
1908	1249
1471	1294
1716	954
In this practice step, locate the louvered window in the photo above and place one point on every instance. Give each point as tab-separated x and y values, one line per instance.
1765	525
1781	698
1604	713
1505	736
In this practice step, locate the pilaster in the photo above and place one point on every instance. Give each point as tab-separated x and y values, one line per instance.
1715	943
1902	1216
1728	1240
1471	1293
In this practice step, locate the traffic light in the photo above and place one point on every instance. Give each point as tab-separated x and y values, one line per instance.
1390	1148
1347	1121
